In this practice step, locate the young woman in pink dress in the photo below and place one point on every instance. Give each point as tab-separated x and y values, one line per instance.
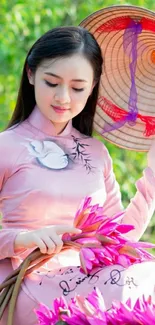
49	162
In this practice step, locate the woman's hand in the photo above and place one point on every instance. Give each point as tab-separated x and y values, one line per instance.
151	156
46	238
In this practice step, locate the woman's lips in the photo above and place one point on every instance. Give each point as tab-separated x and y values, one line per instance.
60	110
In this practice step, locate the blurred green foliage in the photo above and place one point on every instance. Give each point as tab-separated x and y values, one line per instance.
21	23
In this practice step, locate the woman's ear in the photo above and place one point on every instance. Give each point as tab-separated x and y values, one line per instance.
92	87
30	75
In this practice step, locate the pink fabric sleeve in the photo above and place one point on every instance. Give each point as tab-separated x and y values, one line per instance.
7	238
141	207
8	234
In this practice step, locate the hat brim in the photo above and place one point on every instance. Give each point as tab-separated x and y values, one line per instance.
115	84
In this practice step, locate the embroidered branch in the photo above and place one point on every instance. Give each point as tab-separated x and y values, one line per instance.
80	153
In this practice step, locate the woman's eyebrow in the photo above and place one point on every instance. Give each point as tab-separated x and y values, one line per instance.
55	75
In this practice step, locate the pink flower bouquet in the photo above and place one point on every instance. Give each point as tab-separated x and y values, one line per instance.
102	242
91	311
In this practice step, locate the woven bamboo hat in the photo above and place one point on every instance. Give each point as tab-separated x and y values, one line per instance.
125	113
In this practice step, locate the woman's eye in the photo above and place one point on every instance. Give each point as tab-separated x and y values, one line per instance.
78	89
54	85
50	84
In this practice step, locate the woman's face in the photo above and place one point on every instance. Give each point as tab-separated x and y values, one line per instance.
62	87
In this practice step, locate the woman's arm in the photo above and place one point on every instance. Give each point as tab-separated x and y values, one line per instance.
7	239
141	207
8	157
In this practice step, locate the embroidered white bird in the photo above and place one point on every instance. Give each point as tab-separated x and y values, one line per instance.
48	153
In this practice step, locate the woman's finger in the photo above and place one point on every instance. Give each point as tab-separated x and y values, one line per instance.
50	245
40	243
60	230
58	242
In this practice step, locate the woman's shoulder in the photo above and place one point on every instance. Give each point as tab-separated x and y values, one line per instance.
10	148
8	138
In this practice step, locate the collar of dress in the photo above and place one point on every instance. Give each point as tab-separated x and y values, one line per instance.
39	121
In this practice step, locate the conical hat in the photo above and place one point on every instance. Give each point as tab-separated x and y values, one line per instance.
125	112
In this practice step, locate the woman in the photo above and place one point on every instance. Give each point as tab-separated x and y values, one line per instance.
49	163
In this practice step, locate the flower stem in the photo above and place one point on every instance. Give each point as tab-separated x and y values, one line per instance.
6	299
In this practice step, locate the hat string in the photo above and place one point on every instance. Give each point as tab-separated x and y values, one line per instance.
130	40
118	115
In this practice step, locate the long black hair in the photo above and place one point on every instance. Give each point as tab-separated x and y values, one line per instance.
60	42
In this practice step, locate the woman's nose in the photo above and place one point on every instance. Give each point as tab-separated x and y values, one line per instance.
62	95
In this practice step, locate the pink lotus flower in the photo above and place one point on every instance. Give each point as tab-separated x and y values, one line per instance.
48	317
142	313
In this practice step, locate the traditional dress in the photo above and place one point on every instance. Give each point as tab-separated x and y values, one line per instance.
43	179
